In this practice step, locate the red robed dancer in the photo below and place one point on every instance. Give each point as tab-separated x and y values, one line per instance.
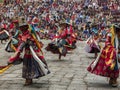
106	63
34	64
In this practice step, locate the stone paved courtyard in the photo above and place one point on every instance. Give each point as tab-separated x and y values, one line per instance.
67	74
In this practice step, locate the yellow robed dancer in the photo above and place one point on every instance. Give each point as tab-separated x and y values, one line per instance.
106	63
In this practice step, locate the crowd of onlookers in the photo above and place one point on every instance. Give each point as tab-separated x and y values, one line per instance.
48	14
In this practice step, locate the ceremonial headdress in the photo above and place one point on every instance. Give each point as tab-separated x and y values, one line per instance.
23	25
15	20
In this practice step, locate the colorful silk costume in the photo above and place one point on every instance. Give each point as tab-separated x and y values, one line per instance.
34	64
106	63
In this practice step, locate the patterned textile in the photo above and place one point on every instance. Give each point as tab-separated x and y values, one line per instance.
107	65
34	64
31	68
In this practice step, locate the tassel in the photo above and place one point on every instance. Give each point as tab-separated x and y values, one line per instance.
4	68
13	47
31	29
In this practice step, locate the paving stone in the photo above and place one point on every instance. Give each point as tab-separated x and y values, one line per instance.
55	79
102	88
57	87
70	73
76	87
